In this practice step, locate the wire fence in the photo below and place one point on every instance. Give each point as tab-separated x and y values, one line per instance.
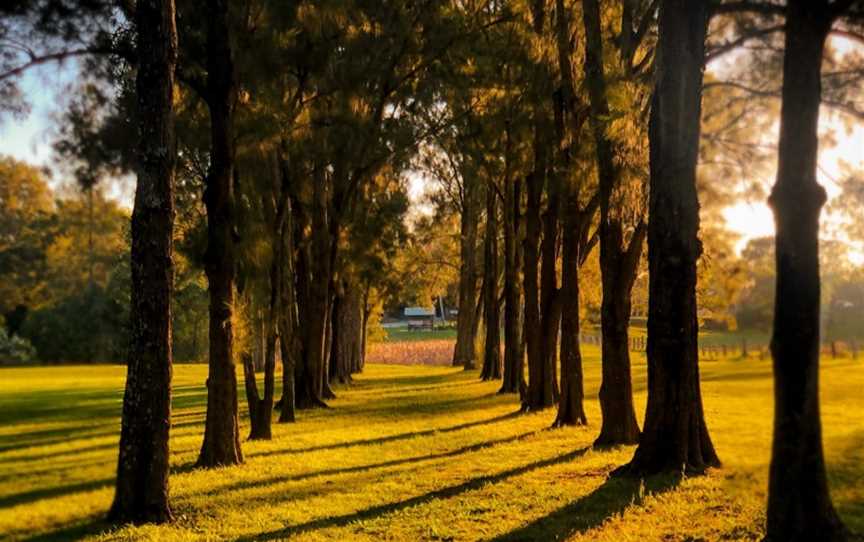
742	349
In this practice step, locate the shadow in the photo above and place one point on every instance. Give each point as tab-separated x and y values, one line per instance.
48	437
56	491
443	493
748	374
401	391
457	374
398	407
844	477
76	531
56	469
610	499
390	438
383	464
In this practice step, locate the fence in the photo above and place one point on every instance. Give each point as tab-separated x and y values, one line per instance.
743	349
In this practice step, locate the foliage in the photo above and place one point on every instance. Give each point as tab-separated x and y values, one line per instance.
85	326
26	222
15	350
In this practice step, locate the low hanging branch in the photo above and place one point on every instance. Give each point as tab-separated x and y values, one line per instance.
59	56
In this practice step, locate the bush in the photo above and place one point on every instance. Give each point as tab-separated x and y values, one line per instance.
90	326
15	350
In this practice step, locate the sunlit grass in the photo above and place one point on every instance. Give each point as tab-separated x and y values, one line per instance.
408	453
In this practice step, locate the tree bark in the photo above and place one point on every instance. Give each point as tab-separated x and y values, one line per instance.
314	276
675	437
347	333
550	299
514	360
571	410
539	393
326	390
261	408
221	444
799	504
306	394
289	343
141	494
492	309
538	301
618	266
618	263
464	353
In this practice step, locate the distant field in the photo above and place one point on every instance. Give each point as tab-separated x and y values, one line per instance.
400	334
408	453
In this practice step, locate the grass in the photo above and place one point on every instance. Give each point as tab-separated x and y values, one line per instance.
407	453
403	334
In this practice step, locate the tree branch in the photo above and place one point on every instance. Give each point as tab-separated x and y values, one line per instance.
741	6
722	49
53	57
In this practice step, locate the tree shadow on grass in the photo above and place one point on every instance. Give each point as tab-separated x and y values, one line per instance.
847	475
457	375
443	493
89	527
592	510
54	491
380	465
389	438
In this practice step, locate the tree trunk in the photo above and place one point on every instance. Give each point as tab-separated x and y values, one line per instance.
326	390
289	343
618	267
221	444
367	311
569	123
141	494
514	359
306	390
799	505
539	393
571	410
464	352
347	334
259	414
675	437
314	270
261	408
618	263
550	300
492	309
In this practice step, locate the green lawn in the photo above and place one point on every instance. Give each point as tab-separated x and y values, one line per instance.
402	334
407	453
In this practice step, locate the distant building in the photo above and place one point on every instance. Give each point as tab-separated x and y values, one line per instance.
420	317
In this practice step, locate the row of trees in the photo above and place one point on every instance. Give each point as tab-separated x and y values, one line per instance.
566	170
273	135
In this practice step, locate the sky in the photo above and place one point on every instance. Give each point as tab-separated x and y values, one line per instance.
29	139
752	219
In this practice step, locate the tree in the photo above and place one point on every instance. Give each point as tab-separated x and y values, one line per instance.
491	304
675	437
221	444
513	379
799	505
576	222
619	256
464	352
540	326
142	468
